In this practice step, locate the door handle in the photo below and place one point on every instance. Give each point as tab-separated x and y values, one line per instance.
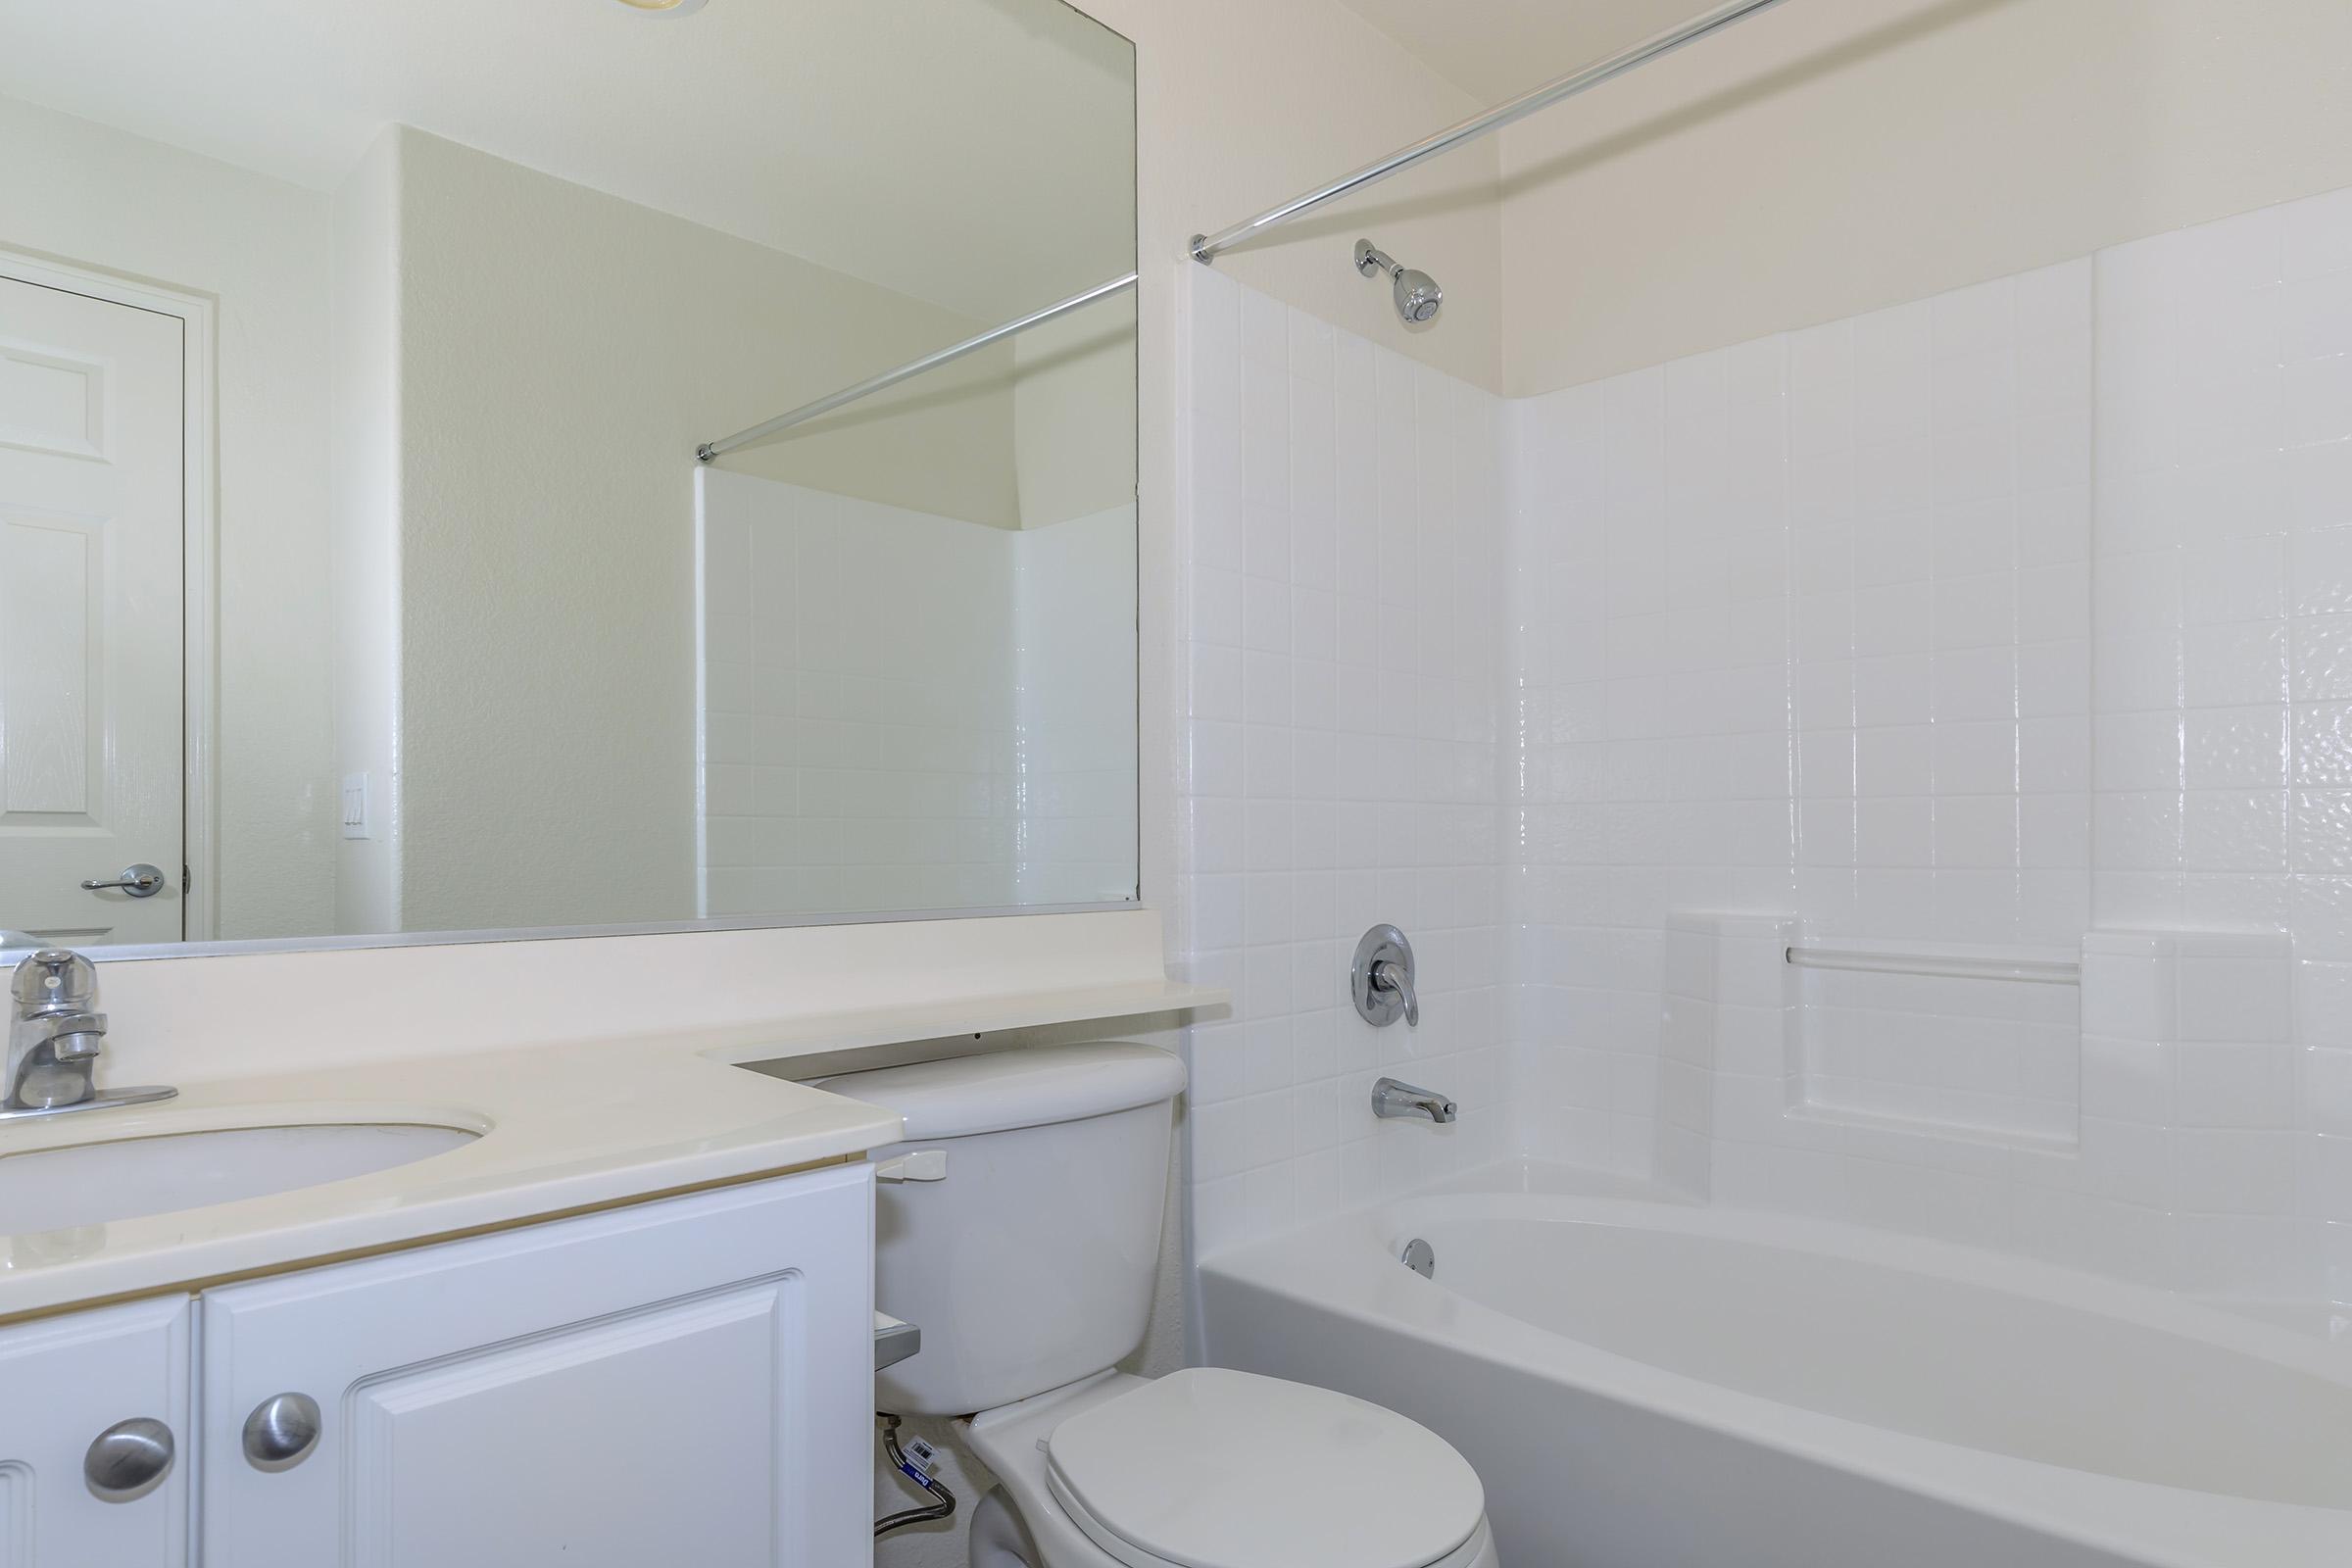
142	881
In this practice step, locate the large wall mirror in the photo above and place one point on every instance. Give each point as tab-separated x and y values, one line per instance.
359	571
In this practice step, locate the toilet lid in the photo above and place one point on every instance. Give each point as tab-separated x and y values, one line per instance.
1215	1469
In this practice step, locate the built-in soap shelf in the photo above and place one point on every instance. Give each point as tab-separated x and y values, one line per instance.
2160	1058
1981	1043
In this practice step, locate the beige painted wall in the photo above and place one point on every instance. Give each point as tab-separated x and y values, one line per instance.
1074	414
87	194
365	532
1835	155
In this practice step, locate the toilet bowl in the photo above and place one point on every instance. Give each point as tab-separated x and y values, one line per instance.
1125	1472
1023	1243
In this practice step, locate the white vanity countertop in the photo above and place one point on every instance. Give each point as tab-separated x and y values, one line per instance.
562	1127
587	1085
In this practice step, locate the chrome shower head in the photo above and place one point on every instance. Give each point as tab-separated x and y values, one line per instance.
1418	296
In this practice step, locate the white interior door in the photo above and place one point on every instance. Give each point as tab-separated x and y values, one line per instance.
91	531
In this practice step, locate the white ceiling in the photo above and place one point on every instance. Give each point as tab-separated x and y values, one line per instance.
1497	49
975	153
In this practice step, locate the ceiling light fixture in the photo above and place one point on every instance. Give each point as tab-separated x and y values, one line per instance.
663	8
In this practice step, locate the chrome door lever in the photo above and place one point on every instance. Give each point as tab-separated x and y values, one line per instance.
142	881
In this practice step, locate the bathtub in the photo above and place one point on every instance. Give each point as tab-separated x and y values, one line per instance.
1642	1384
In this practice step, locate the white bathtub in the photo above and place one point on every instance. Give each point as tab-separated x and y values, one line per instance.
1644	1384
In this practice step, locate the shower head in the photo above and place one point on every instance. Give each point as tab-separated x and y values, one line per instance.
1417	293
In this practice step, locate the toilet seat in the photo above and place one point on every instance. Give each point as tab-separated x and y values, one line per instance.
1209	1468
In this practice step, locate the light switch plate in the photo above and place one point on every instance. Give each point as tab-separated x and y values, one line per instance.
355	807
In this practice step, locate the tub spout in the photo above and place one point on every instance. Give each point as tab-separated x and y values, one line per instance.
1391	1098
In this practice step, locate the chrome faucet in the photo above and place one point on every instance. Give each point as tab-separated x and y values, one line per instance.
55	1037
1393	1097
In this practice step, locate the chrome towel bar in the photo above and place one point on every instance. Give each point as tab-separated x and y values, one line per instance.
1937	965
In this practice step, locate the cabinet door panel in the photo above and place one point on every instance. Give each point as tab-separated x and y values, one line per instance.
685	1381
65	1379
675	1404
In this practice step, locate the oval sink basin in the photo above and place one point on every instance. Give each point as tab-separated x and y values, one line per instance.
89	1183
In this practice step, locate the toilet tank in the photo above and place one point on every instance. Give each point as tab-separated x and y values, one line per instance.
1030	1263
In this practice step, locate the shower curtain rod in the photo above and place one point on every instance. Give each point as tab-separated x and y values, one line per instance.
1206	248
711	450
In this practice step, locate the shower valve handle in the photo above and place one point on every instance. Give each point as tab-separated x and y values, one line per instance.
1391	976
1382	978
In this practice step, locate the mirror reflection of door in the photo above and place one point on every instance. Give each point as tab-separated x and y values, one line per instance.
91	534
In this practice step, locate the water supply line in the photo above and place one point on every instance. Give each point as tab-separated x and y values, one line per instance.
918	1473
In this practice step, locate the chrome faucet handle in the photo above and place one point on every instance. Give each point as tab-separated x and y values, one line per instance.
1391	976
56	1039
1382	978
54	980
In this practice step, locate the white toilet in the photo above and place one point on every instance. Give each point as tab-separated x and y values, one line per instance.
1028	1264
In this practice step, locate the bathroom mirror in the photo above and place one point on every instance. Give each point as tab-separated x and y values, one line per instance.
360	574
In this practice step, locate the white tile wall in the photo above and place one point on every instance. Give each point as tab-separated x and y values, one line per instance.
1804	624
857	703
1343	651
2021	616
1942	456
1996	1059
909	712
2223	569
1074	748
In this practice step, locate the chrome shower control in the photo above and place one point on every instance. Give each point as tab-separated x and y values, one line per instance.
1382	981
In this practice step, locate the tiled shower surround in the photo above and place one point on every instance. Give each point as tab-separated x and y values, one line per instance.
1346	669
951	738
2015	623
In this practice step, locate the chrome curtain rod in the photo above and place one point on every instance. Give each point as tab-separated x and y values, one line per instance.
1207	248
711	450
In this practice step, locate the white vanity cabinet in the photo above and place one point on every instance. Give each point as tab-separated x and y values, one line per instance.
682	1382
65	1382
687	1381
